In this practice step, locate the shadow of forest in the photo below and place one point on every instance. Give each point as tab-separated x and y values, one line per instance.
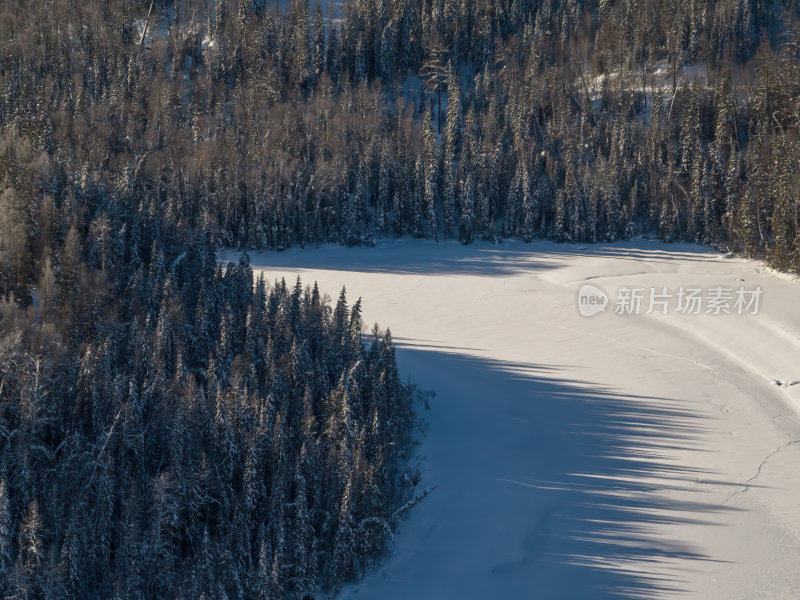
583	469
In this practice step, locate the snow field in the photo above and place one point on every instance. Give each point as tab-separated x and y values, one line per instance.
635	456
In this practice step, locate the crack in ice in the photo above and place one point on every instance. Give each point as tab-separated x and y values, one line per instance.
746	484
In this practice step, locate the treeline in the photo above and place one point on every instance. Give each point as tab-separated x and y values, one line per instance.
535	118
168	429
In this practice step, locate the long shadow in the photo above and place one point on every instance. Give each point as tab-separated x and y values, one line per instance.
547	487
425	257
419	257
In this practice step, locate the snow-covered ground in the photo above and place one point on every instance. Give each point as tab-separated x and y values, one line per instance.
617	456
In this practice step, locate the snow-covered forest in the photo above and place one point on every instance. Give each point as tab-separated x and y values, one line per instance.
171	428
268	124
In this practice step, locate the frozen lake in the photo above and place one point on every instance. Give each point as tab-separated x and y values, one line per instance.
616	456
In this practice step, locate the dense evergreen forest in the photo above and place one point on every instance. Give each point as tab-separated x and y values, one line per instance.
167	429
269	124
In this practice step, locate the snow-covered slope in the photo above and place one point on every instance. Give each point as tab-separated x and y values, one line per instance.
617	456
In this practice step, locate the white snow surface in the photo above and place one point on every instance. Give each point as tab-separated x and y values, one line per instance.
593	458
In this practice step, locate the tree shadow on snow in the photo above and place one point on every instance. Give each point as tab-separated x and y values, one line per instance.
547	487
424	257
